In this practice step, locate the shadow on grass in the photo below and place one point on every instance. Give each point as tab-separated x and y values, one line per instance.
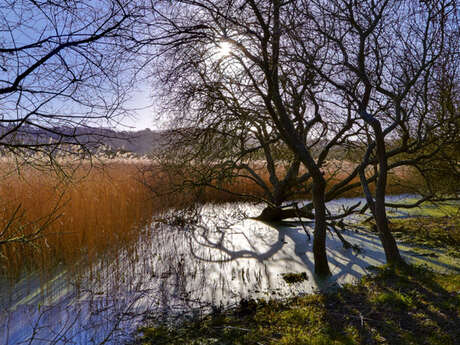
408	305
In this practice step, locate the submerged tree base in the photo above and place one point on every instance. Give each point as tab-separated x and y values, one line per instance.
278	214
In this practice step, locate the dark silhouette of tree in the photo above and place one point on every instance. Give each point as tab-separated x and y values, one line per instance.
350	69
269	80
382	64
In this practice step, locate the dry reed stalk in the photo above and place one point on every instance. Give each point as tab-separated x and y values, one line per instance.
98	211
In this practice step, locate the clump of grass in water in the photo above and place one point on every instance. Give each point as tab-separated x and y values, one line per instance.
292	278
393	306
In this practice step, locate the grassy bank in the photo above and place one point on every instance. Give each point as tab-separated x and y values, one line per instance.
437	232
408	305
405	306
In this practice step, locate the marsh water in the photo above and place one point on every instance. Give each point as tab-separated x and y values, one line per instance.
175	272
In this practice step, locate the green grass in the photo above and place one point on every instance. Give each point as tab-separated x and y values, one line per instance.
435	232
409	305
427	209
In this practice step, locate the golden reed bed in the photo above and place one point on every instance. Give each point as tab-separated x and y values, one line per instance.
92	213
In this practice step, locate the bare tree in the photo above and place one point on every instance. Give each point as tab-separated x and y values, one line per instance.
267	74
381	63
332	70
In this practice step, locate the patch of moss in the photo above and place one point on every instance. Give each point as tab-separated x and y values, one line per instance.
406	305
450	283
292	278
393	300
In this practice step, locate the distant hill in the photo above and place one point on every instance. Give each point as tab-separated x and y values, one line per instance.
139	142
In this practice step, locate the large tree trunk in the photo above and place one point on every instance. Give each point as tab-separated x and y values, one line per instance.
381	220
319	240
276	214
388	242
378	209
290	135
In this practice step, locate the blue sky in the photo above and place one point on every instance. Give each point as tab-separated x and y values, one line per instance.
76	86
144	113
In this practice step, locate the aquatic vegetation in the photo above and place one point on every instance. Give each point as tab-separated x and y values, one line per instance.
292	278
